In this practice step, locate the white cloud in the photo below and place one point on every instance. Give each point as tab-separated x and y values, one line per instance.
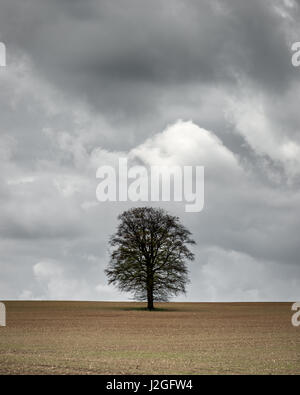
251	119
229	275
56	283
185	143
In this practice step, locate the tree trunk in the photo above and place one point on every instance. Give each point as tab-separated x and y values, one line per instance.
150	300
150	292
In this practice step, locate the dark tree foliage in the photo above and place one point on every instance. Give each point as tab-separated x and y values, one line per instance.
149	254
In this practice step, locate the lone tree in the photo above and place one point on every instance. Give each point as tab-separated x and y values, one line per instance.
149	253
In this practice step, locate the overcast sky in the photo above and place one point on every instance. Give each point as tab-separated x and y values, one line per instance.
181	82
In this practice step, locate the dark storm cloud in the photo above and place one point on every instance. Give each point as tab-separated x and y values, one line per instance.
123	56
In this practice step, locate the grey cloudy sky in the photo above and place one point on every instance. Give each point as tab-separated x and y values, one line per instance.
183	82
